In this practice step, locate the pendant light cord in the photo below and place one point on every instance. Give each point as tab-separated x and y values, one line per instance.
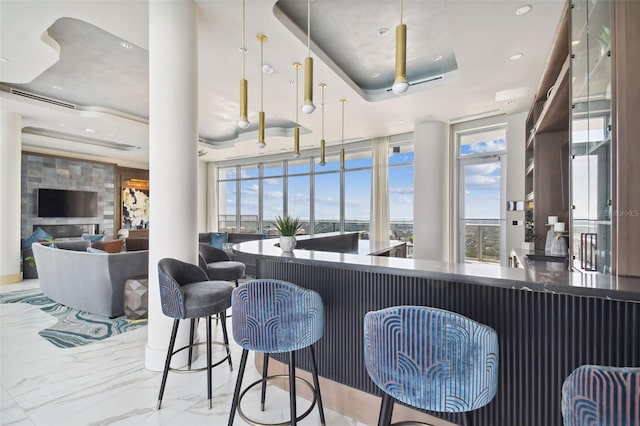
308	27
322	120
297	72
342	140
244	42
261	76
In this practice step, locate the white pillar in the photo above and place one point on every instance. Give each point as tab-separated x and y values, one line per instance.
10	200
432	192
173	156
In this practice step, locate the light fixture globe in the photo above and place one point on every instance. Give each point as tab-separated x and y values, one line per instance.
400	85
243	123
308	107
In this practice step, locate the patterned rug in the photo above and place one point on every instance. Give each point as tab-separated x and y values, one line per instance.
74	327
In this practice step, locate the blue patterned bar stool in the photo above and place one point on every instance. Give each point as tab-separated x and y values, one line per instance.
273	316
186	292
596	395
430	359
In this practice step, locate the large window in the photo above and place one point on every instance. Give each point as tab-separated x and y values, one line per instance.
325	198
401	192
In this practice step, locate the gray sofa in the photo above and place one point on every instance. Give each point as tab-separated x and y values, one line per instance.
92	282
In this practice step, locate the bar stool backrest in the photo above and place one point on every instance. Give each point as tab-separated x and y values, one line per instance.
430	358
594	395
173	274
275	316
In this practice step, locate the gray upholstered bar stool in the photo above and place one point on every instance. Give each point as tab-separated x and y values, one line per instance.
218	265
187	293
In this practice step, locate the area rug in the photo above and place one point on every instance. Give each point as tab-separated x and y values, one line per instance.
74	327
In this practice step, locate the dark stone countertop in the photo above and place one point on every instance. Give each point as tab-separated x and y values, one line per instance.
536	276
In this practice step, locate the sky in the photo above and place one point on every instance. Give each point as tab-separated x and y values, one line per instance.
482	181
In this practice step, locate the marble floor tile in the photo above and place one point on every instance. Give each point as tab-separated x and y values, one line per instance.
106	383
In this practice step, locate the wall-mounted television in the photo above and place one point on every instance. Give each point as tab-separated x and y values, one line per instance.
66	203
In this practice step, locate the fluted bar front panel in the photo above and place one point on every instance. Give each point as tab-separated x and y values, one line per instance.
542	336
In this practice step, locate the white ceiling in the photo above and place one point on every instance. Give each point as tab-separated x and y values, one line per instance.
75	46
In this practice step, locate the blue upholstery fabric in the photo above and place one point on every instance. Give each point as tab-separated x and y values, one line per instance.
38	235
430	358
595	395
94	238
95	250
218	239
186	292
276	316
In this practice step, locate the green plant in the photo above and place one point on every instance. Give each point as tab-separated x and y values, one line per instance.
287	225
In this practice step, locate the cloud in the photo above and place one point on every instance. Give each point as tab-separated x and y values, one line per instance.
272	181
273	194
401	200
482	147
401	190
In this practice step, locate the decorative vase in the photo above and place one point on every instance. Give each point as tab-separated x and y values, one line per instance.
287	243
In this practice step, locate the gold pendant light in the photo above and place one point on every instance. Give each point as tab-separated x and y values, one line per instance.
308	107
323	148
296	130
243	122
342	101
261	143
401	85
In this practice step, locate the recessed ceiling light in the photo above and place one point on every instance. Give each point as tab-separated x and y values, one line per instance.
291	82
126	45
523	10
575	42
267	69
511	102
3	59
383	32
61	124
57	87
89	130
436	58
516	56
243	50
375	74
111	135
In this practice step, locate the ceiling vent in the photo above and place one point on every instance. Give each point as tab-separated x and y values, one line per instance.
42	99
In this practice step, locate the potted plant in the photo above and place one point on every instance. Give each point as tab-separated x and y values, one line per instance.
288	227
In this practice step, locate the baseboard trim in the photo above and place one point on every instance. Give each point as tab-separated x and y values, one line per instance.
11	279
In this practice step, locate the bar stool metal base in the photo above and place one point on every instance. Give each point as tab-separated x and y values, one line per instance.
254	422
193	370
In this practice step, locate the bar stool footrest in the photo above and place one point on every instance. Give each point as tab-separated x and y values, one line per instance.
193	370
288	422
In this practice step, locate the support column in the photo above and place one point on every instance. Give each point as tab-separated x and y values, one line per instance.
173	157
10	166
432	191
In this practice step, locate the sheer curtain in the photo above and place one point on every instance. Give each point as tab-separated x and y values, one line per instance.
212	197
379	228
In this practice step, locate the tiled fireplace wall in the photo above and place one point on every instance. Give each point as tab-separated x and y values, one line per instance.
40	171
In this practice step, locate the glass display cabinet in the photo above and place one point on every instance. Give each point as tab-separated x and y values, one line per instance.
591	135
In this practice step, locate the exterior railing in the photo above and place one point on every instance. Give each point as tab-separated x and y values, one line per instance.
482	241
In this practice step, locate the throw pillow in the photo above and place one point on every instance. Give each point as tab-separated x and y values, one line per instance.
38	235
94	238
94	250
218	239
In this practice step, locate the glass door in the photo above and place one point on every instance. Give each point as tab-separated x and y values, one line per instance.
481	229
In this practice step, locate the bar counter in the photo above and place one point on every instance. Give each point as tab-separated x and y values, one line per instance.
548	321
